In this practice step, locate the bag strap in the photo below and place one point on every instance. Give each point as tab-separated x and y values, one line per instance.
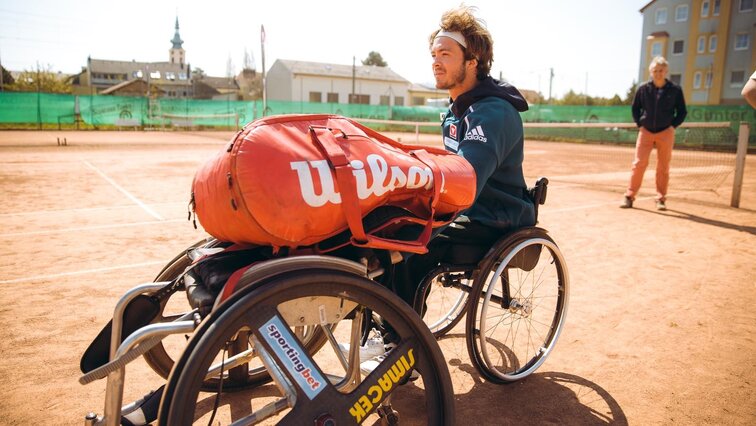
338	161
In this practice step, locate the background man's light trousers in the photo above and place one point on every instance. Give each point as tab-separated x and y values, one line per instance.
664	141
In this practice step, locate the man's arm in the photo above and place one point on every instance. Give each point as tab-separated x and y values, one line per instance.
680	110
749	91
636	108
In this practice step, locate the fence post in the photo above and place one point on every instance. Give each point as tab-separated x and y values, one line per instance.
740	159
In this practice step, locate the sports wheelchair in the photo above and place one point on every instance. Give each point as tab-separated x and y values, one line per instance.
280	318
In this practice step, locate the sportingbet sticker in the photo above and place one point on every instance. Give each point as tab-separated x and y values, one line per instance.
293	357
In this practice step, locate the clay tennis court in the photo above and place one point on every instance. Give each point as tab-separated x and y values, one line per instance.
661	325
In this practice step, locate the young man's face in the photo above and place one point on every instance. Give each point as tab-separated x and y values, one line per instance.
448	63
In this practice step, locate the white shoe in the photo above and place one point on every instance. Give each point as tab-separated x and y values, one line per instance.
373	347
368	366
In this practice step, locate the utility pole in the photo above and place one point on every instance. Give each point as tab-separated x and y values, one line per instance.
551	81
354	74
1	74
586	89
264	85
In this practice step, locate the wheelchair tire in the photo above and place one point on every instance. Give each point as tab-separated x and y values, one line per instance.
521	297
442	298
161	359
257	309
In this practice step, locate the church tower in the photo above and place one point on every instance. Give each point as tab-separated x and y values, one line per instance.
177	52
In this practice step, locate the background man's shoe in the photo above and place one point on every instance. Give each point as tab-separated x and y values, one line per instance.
661	205
627	203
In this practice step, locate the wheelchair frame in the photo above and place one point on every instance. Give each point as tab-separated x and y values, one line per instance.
485	277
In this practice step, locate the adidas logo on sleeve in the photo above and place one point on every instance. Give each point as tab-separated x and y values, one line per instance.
475	134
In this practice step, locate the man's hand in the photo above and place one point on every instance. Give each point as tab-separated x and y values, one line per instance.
749	92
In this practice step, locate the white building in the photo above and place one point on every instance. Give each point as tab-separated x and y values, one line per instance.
298	81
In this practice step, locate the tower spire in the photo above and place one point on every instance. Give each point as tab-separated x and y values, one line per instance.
176	53
177	42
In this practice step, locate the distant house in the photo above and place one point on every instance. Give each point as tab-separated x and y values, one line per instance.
166	79
421	94
708	44
135	87
300	81
216	88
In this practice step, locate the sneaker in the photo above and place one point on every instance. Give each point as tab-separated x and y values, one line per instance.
368	366
661	205
372	348
627	203
143	411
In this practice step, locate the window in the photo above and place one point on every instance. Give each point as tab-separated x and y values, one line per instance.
676	78
385	100
316	97
182	76
681	13
656	48
737	78
155	74
359	99
701	44
332	98
707	84
399	100
170	76
715	11
713	44
745	6
138	74
661	16
678	47
697	80
741	41
705	9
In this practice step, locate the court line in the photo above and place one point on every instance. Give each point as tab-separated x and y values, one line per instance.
144	207
86	209
617	202
85	271
89	228
675	171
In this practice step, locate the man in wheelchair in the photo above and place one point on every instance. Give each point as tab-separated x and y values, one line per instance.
483	125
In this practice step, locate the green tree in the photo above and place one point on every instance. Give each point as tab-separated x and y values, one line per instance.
630	95
41	80
374	58
7	79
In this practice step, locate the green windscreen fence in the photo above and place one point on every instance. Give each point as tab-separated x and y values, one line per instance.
29	109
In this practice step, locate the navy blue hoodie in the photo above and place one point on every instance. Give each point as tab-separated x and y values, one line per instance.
484	126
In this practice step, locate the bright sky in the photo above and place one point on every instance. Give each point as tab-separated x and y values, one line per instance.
590	44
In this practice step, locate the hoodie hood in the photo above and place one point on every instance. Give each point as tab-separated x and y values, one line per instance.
489	87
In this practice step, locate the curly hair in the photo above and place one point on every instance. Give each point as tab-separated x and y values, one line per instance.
477	37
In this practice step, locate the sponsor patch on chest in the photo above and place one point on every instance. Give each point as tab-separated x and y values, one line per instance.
451	144
453	131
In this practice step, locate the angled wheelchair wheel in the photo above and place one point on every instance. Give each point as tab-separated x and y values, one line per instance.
327	387
172	307
441	298
521	298
161	358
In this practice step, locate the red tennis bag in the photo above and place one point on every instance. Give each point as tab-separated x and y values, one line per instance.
295	180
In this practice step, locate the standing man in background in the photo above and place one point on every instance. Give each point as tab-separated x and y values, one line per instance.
658	108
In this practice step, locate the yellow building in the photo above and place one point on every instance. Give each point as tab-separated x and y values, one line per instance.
708	44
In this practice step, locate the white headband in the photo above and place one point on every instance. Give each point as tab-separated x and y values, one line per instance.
454	35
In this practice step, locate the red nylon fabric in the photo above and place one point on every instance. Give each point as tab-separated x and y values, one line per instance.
276	182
